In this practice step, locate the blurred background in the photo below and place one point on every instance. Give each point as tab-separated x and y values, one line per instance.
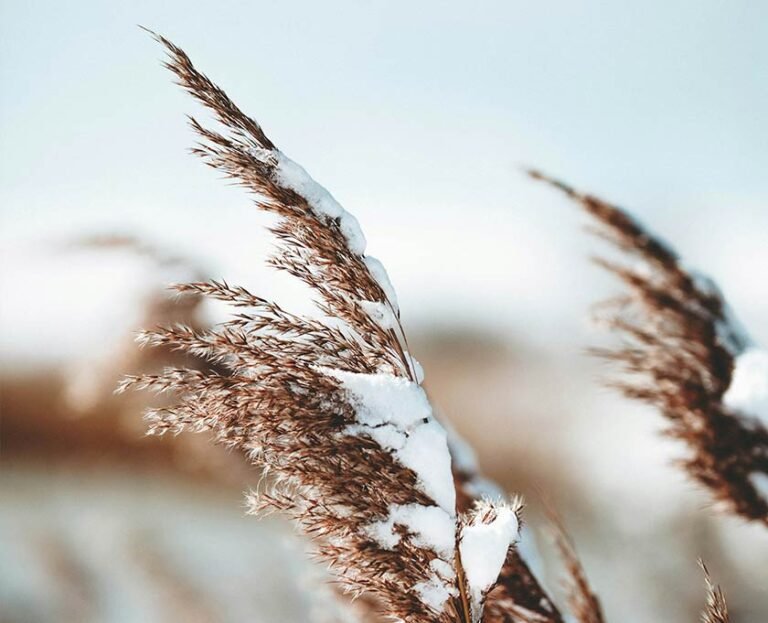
418	118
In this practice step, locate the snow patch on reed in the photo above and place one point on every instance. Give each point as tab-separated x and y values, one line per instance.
748	391
396	413
486	536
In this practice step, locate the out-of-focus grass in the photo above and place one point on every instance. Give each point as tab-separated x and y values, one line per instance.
173	504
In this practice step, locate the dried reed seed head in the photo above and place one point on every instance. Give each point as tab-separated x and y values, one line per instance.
584	604
716	609
679	351
332	408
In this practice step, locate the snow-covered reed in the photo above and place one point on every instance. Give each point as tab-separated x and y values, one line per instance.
332	408
685	354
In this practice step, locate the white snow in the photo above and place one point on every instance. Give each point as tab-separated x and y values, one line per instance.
484	543
380	313
434	592
430	527
292	175
730	331
760	482
418	370
440	587
443	569
379	273
748	392
396	413
426	453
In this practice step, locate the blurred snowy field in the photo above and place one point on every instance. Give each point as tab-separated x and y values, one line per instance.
89	545
117	527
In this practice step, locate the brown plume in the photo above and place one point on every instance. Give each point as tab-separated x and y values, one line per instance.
716	610
678	350
329	407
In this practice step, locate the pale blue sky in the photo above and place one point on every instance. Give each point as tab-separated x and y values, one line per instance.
416	116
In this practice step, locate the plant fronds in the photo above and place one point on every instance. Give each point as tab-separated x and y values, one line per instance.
684	354
91	383
584	605
330	408
716	609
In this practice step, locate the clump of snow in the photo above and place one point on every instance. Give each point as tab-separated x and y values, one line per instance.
379	273
484	543
434	592
418	370
443	569
292	175
440	587
380	313
704	283
748	392
396	413
760	482
426	453
730	332
430	527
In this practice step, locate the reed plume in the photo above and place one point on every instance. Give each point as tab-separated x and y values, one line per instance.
683	353
330	407
90	385
716	609
584	604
